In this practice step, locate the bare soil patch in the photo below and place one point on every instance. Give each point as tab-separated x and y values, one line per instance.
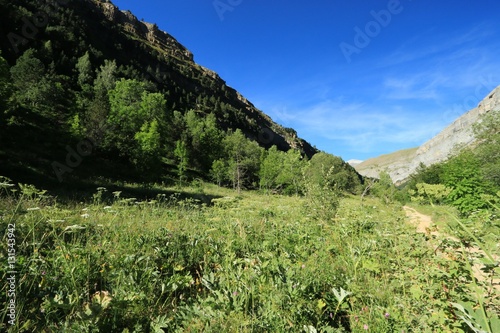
423	224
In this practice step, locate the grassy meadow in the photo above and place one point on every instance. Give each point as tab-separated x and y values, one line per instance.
205	259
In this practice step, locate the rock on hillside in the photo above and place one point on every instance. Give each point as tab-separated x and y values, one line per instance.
354	162
396	164
147	31
401	165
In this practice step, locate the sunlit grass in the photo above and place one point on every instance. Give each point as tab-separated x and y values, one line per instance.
205	259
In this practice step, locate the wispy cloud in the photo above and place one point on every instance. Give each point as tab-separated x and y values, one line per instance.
403	100
359	126
430	44
436	70
413	86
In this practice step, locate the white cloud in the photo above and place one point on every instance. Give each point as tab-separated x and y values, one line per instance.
361	128
402	100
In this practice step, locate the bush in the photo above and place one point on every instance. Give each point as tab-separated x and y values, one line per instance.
429	193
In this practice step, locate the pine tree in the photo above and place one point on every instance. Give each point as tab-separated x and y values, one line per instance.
5	93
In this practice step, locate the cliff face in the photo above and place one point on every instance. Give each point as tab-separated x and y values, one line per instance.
439	148
459	133
253	122
147	31
397	164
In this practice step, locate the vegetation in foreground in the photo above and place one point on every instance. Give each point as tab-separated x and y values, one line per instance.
245	263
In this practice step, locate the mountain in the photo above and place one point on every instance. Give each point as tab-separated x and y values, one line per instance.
174	57
58	49
400	165
396	163
256	124
354	162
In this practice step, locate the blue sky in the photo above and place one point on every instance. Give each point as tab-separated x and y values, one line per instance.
355	78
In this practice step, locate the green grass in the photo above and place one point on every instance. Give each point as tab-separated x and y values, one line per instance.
246	263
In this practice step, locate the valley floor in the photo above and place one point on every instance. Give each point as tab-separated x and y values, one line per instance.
209	260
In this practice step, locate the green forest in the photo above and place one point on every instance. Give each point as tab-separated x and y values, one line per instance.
140	193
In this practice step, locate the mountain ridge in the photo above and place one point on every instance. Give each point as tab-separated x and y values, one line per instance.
270	133
401	164
101	28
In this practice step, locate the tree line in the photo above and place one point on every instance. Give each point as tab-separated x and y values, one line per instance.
130	121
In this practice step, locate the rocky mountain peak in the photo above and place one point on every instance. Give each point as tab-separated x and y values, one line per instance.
144	30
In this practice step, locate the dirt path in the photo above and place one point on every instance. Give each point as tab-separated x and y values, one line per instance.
424	224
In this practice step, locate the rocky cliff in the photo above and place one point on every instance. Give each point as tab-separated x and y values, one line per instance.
397	164
252	121
458	134
147	31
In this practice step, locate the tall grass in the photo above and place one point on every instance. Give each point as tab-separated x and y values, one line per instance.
249	263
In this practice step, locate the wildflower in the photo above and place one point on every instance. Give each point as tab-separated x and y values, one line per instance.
303	266
43	272
387	315
235	293
85	216
365	327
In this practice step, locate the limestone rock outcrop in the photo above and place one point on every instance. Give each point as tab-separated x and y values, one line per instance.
147	31
439	148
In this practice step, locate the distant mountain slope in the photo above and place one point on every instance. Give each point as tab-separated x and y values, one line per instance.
354	162
397	163
400	165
